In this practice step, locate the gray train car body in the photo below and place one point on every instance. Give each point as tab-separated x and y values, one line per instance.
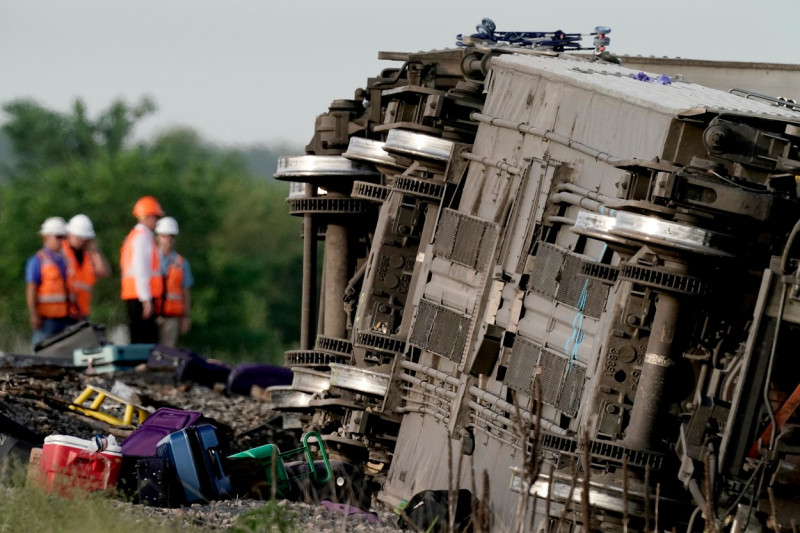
559	283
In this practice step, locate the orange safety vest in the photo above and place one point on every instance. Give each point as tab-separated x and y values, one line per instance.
51	295
80	280
126	264
172	304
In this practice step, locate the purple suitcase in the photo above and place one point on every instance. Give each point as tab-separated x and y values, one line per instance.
142	442
245	375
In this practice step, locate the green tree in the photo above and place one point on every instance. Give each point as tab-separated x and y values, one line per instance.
235	228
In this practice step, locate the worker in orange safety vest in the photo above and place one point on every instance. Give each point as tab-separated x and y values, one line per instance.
174	308
46	291
142	282
85	264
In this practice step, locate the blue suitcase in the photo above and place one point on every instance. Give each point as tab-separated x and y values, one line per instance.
111	357
196	459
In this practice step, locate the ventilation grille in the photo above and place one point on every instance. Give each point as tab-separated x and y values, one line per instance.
440	330
561	384
523	364
569	399
546	268
559	274
552	371
465	240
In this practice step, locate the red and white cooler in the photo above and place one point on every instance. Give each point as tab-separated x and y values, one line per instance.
70	464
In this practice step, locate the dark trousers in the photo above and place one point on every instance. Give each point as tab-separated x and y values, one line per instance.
142	331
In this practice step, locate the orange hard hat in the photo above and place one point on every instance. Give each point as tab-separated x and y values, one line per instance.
147	205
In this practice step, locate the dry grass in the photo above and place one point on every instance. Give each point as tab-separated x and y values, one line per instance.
24	508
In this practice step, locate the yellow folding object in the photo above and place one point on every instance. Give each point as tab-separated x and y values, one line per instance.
100	396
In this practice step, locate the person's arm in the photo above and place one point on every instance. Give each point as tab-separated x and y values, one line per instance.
33	273
188	282
31	289
102	268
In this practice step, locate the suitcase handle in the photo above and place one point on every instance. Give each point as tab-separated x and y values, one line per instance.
216	464
92	351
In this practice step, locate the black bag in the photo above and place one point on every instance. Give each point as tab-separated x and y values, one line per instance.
348	484
428	511
81	335
188	365
157	485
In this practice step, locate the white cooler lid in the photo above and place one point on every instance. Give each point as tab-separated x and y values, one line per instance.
75	442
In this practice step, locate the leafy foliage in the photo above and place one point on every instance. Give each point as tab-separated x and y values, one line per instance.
235	230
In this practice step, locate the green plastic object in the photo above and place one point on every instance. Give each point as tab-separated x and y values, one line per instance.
265	453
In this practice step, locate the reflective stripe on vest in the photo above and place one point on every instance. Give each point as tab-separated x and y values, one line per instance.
51	294
126	263
80	280
172	304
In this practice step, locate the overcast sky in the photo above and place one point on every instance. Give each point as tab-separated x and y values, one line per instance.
259	71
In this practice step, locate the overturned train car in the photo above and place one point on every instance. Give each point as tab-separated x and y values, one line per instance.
560	285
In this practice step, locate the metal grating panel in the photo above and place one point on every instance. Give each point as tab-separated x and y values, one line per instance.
597	294
426	314
440	330
546	268
579	291
552	372
487	247
446	234
569	399
468	242
572	284
465	240
523	364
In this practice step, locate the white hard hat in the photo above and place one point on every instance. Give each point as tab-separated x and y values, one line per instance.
81	226
167	226
53	226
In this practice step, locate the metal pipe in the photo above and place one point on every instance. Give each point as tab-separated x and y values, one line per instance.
770	364
394	79
428	386
502	165
336	266
420	396
433	407
495	425
652	382
788	246
593	195
424	411
499	403
432	372
500	439
560	220
583	202
308	327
